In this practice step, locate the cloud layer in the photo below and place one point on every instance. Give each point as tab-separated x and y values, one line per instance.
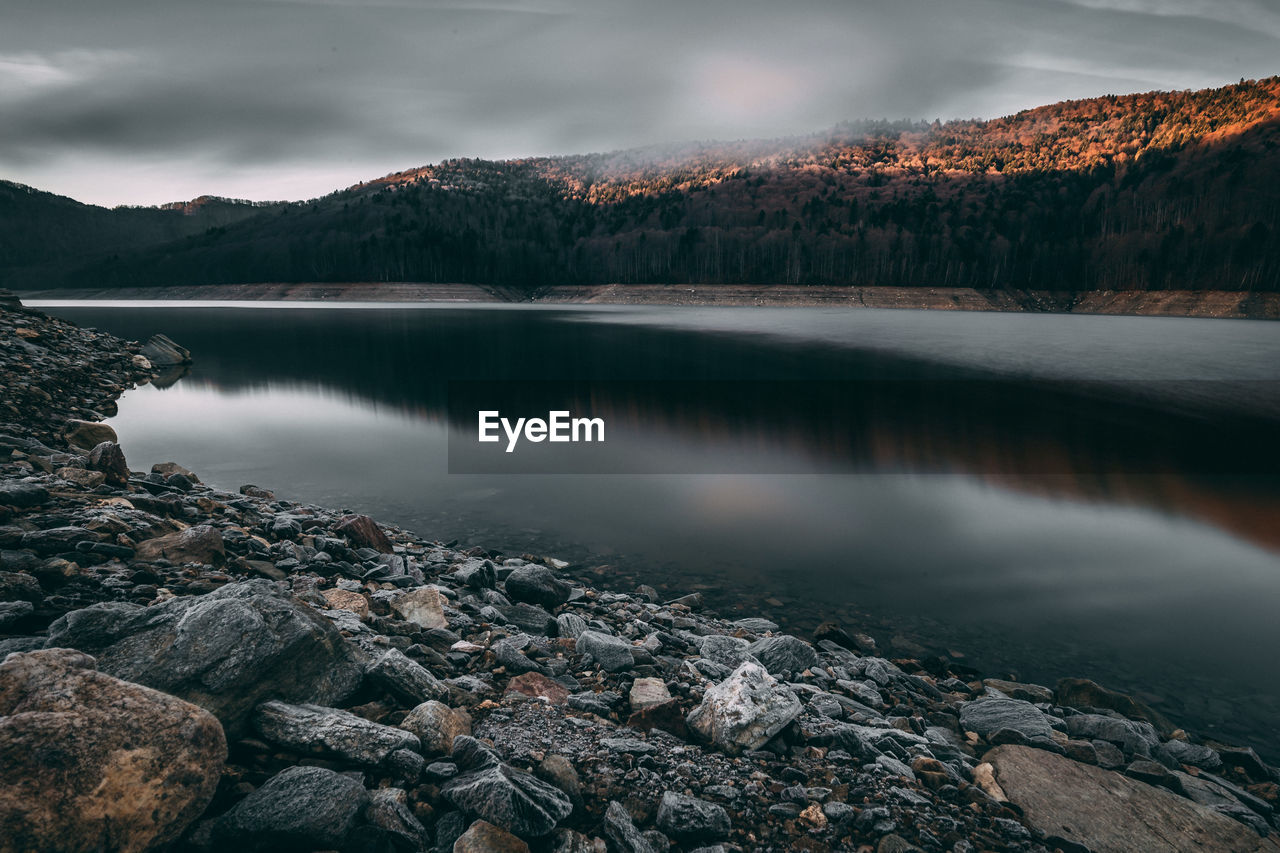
139	102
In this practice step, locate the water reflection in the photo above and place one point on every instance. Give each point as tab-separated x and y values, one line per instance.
1089	525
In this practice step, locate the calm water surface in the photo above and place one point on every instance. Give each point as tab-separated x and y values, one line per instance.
1126	530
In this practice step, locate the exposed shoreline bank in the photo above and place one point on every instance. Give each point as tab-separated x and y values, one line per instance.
1177	303
382	691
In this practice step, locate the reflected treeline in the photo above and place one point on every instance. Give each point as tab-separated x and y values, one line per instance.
1187	447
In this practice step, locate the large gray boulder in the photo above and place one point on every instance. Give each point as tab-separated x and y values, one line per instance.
90	762
621	831
725	650
1105	812
990	717
300	808
745	710
537	585
783	655
161	351
1132	736
487	788
436	726
330	732
689	819
404	678
612	653
228	651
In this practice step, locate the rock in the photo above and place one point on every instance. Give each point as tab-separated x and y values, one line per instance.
300	808
896	844
537	585
12	612
499	793
509	655
89	762
559	771
667	717
88	434
477	574
1106	812
330	732
1034	693
167	469
363	531
690	819
538	686
1153	774
527	617
227	651
600	704
405	679
484	837
783	654
814	816
569	841
436	725
988	717
621	831
449	828
745	710
22	495
570	625
108	458
57	540
984	776
833	632
628	745
613	654
15	586
81	477
1135	738
648	692
199	544
1196	755
423	607
285	527
388	817
163	352
1083	693
252	491
1247	760
756	625
725	650
341	599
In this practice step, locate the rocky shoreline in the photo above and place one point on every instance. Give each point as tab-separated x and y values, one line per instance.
1222	304
193	669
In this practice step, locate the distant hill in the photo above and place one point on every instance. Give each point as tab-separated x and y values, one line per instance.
1165	190
45	238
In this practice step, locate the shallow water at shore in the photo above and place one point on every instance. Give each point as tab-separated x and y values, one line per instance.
1162	580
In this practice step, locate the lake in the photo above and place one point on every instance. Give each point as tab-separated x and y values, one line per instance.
1036	495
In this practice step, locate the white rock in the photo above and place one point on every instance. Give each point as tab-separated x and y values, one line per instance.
745	710
421	606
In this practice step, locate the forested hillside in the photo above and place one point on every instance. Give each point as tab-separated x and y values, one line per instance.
46	237
1167	190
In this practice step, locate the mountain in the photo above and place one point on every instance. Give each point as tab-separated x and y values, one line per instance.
1164	190
45	238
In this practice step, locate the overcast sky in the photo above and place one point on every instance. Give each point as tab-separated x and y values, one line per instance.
146	101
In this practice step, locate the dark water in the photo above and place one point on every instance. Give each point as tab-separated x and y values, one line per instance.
1046	495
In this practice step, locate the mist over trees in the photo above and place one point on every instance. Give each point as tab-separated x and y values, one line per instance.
1175	190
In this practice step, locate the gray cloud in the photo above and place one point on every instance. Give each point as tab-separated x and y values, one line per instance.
143	102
